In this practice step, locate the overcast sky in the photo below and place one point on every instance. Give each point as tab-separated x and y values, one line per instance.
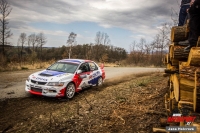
123	20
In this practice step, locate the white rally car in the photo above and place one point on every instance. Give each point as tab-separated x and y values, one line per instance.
65	77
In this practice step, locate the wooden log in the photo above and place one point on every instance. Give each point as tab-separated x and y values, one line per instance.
178	33
186	89
163	130
187	76
171	51
175	83
174	62
179	53
166	59
194	57
187	71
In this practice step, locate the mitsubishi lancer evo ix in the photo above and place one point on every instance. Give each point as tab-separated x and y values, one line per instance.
65	77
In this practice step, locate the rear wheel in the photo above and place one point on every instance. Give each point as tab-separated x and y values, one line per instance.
70	91
100	81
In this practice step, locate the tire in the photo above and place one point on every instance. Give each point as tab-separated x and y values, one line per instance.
100	81
70	91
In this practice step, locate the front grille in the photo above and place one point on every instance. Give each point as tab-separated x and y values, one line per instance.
36	89
39	83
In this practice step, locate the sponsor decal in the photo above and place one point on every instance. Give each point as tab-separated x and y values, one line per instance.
96	74
40	78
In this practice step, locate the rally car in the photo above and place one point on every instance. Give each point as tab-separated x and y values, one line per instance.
65	77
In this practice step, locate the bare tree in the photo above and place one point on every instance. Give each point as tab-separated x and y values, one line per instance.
41	41
102	38
32	40
21	43
98	38
106	39
71	41
5	32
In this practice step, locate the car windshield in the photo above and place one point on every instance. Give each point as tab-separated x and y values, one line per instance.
63	67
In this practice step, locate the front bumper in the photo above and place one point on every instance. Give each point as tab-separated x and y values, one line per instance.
43	90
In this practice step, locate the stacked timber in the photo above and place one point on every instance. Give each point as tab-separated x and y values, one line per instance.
184	69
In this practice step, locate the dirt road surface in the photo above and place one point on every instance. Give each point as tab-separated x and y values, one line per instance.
12	83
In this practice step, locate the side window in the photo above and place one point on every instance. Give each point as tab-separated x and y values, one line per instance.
84	67
93	66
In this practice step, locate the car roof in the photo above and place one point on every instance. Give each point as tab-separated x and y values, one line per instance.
77	61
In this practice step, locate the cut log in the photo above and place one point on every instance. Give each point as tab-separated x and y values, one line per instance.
166	59
171	51
194	57
179	53
187	72
175	83
178	33
163	130
186	89
174	62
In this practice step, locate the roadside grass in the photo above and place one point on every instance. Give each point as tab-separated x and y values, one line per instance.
13	66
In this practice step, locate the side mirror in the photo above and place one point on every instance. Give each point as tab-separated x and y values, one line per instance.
102	66
79	71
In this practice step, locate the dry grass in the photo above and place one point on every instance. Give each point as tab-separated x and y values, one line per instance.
25	66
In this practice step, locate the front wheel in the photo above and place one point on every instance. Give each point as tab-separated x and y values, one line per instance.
100	81
70	91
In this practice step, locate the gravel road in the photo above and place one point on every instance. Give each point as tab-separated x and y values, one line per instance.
12	83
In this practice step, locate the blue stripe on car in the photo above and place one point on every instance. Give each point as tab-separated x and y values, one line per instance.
53	73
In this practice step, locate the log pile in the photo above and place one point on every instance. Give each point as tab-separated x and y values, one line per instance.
187	66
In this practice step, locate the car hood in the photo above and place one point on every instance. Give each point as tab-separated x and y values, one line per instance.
51	76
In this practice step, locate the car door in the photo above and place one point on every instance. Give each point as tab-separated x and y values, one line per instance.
95	72
85	75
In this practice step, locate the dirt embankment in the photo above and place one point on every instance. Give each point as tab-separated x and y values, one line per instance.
119	106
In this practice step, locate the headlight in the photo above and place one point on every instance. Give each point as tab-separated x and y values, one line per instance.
55	83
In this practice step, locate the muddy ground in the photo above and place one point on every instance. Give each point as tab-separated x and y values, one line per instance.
124	105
